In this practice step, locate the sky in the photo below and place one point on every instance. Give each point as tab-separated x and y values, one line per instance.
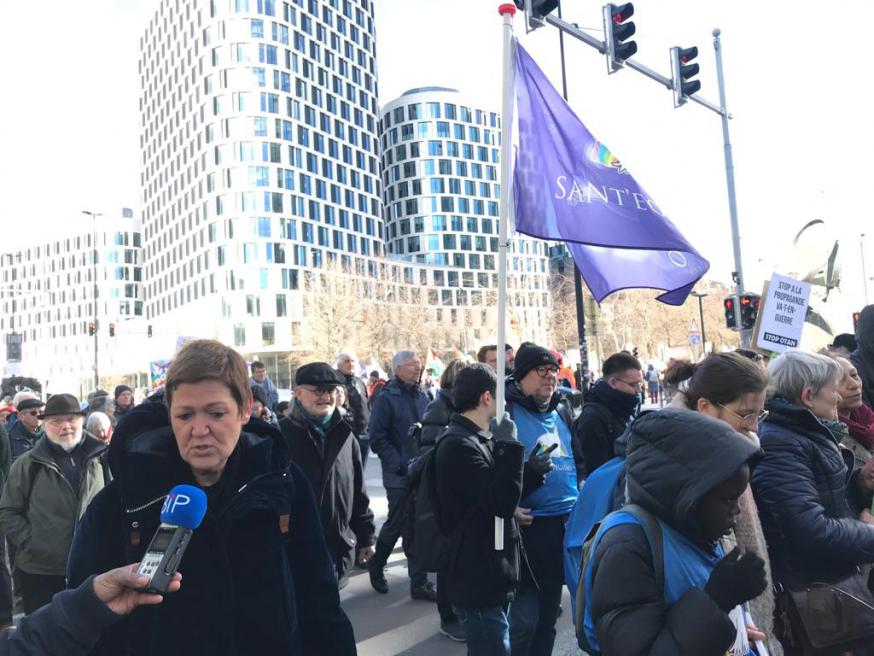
801	128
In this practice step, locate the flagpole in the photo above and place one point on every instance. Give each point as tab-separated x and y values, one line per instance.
507	12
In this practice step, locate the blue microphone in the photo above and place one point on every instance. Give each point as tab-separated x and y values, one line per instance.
182	512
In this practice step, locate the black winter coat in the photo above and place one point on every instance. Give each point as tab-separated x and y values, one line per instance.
808	499
21	440
674	458
863	357
257	578
602	420
434	422
477	480
332	464
359	410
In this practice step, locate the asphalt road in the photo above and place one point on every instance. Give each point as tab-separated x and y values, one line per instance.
394	624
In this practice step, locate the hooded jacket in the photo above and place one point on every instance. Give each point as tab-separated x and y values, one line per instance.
332	464
863	356
39	507
675	457
257	577
808	499
603	418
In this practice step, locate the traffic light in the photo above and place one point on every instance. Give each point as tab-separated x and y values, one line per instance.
749	309
618	29
112	330
91	329
730	316
634	352
682	72
535	10
856	321
149	331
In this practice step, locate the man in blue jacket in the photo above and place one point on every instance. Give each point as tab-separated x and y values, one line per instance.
544	426
400	404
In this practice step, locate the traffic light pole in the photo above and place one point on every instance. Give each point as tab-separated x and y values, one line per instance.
745	334
601	46
578	279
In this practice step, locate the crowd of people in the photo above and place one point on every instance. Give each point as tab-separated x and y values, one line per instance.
738	519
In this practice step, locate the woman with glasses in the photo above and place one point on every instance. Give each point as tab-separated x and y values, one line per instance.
731	387
808	500
48	490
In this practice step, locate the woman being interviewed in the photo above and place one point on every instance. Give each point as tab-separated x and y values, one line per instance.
258	579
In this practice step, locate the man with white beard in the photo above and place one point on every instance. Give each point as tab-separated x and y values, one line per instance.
46	493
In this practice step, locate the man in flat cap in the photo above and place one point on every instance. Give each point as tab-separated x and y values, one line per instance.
323	445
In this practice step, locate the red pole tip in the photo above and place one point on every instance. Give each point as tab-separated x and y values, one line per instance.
507	8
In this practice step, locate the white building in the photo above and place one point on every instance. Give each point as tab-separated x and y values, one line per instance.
441	171
47	298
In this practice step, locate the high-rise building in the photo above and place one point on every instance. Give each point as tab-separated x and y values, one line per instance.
47	302
260	161
441	191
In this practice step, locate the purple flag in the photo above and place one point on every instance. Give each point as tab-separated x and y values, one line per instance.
569	187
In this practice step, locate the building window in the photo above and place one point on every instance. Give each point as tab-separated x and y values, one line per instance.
268	333
239	334
281	307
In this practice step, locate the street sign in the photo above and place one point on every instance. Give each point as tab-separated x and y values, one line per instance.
784	308
694	339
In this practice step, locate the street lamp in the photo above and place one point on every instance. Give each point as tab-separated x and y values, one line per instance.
94	216
699	296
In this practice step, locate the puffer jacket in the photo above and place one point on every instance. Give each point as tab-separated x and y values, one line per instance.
397	407
22	440
674	458
257	578
808	499
434	422
39	508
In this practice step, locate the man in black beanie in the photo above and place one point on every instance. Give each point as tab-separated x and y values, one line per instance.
124	400
549	491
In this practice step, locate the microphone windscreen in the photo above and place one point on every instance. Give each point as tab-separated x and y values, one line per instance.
185	506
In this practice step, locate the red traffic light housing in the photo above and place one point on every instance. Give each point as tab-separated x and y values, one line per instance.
91	329
749	309
730	316
617	30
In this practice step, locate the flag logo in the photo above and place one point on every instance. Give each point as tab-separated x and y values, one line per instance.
599	154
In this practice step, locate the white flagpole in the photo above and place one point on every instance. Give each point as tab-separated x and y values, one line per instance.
507	11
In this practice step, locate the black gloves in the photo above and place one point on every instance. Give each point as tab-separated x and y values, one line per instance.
735	579
505	431
539	459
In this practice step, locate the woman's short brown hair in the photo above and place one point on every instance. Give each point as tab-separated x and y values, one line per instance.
207	359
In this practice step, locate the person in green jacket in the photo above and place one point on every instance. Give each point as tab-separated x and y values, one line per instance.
48	490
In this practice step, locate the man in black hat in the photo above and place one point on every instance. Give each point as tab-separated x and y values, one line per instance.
549	492
48	489
323	445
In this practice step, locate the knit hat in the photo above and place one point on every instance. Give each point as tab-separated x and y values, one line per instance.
530	356
121	389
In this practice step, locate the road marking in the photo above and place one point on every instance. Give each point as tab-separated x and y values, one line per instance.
398	640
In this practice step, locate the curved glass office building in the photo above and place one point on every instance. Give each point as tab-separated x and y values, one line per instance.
441	192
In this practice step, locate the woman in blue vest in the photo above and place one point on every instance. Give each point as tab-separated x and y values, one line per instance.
687	470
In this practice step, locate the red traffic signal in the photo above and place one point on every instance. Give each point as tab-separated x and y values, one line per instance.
617	30
856	321
91	329
730	316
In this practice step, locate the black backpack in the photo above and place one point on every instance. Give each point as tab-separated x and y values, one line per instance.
429	543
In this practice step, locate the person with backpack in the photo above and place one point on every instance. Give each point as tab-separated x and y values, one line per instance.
544	428
258	578
48	490
479	469
425	436
656	579
608	407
